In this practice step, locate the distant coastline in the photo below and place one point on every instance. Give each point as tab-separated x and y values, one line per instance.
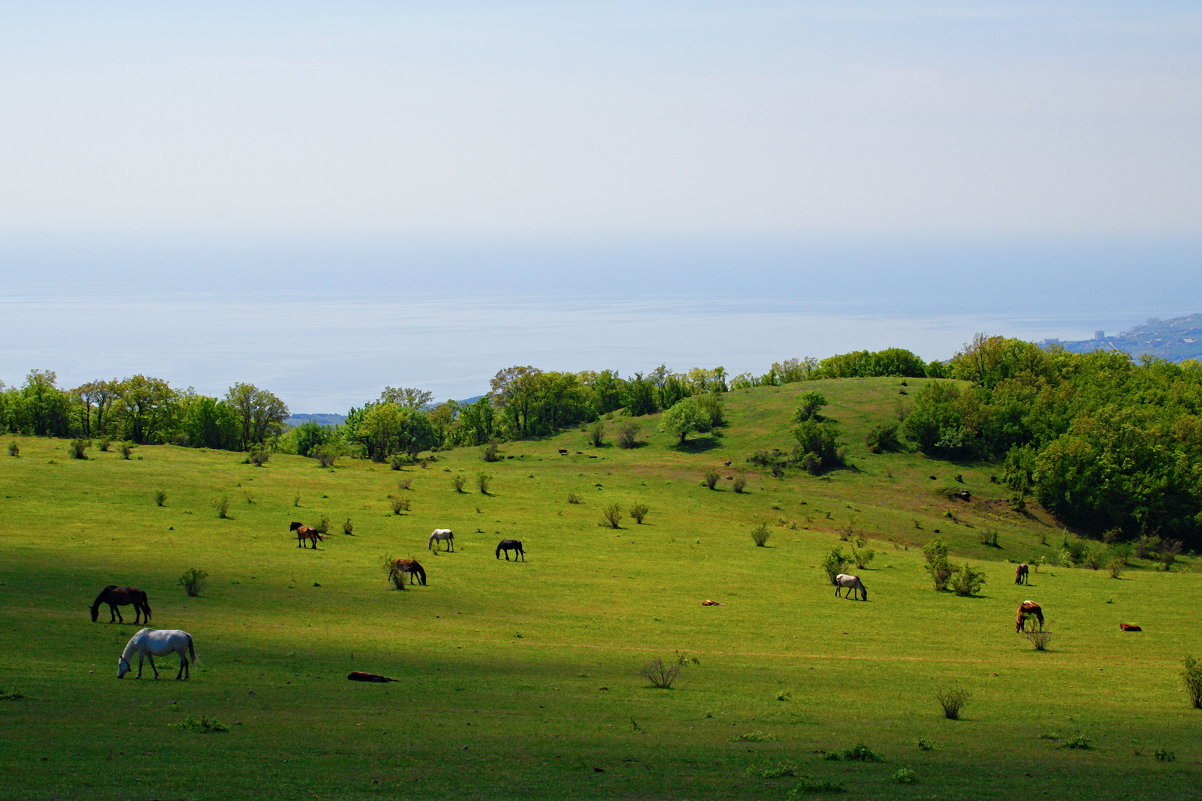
1175	340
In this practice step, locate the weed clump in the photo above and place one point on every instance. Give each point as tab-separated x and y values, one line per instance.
1039	639
638	512
903	776
202	725
193	581
773	770
663	674
754	737
611	516
857	753
952	700
1192	675
811	784
760	535
160	497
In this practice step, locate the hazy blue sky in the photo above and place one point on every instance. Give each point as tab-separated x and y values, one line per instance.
955	164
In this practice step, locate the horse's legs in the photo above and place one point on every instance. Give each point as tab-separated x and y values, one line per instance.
150	659
183	666
115	614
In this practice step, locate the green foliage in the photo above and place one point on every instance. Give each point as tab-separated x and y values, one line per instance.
904	776
638	512
773	770
458	481
201	725
753	737
925	745
818	446
883	438
710	479
967	580
596	434
835	563
857	753
952	701
483	481
193	581
327	452
1163	755
222	507
760	534
14	449
739	484
628	435
258	455
160	497
78	448
1077	742
1192	676
611	516
935	554
811	784
808	406
683	418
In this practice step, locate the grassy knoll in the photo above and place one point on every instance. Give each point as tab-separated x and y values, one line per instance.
521	680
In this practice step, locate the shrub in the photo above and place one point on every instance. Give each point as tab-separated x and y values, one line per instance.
989	538
104	445
323	525
834	564
574	498
1078	741
404	483
482	482
491	453
883	438
193	581
611	516
348	527
202	724
628	436
596	434
1039	639
753	737
14	449
860	554
457	481
711	479
967	580
857	753
1192	675
638	511
126	450
160	497
1162	755
258	455
10	695
760	534
740	484
903	776
662	674
937	564
326	453
810	784
397	577
773	770
1115	566
397	461
222	507
78	448
925	745
953	700
399	505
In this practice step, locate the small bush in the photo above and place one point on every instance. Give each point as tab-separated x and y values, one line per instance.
834	564
574	498
937	564
491	453
348	527
596	434
258	455
399	505
482	482
457	481
1039	639
104	445
711	479
1078	741
740	484
760	535
1115	566
989	538
7	694
611	516
323	525
397	461
160	497
882	438
1192	675
638	512
202	725
14	449
754	737
903	776
126	450
326	453
193	581
925	745
628	436
967	580
1162	755
662	674
222	507
857	753
953	701
811	784
78	448
404	484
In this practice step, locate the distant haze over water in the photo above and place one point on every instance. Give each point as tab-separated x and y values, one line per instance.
327	324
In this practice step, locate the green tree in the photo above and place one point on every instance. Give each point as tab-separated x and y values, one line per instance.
145	408
259	414
42	408
683	418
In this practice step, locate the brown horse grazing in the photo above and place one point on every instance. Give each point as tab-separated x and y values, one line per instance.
511	545
1022	574
116	596
303	533
398	568
1025	610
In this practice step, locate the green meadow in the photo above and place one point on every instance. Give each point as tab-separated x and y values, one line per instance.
523	679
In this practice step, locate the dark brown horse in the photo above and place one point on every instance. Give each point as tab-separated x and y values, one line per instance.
399	568
116	596
303	533
511	545
1022	574
1025	610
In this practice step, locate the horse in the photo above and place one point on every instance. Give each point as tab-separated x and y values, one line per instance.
511	545
1021	574
149	643
443	535
303	533
116	596
853	585
1025	610
397	569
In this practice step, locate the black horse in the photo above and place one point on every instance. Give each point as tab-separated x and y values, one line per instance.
511	545
116	596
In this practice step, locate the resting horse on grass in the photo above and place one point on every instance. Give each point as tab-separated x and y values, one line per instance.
853	585
149	643
116	596
443	535
303	533
1025	610
399	568
511	545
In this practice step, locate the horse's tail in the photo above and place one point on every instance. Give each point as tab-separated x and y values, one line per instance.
146	607
499	550
192	651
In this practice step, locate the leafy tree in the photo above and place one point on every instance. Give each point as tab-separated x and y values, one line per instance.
808	405
818	445
407	397
259	413
683	418
310	435
935	552
207	422
638	396
94	400
41	407
145	408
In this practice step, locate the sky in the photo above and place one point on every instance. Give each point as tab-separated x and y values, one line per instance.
327	198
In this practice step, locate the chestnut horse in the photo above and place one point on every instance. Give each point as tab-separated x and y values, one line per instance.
1025	610
116	596
303	533
1021	574
397	569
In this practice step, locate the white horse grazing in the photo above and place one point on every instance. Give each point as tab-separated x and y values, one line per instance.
852	583
441	535
149	643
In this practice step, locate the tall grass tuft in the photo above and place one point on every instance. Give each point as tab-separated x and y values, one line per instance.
14	449
760	535
193	581
638	512
662	674
1039	639
953	701
222	507
611	516
78	448
711	479
160	497
1192	675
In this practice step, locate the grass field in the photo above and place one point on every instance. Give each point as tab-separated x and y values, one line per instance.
522	679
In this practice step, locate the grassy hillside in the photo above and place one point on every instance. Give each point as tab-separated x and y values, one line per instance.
521	680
